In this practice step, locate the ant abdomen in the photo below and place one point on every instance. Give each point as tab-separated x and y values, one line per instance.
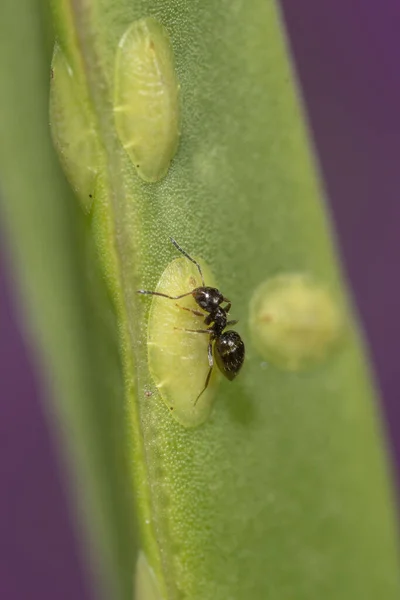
229	353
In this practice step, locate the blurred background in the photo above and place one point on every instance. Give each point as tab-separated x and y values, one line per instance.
346	57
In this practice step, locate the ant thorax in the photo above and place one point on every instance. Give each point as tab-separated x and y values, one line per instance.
217	319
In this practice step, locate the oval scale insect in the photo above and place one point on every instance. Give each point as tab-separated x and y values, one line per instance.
146	98
296	322
182	364
73	129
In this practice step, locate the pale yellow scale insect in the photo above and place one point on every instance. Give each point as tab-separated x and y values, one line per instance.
73	129
146	98
178	359
295	321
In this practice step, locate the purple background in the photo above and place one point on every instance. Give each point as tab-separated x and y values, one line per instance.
347	56
38	555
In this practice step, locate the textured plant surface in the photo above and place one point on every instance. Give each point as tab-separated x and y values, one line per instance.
282	492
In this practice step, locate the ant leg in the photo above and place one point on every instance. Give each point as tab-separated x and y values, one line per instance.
195	312
232	322
193	330
163	295
177	246
210	354
211	363
228	306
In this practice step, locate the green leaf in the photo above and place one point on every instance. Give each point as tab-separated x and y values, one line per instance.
283	491
67	310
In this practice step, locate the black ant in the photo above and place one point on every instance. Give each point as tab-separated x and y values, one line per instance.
228	347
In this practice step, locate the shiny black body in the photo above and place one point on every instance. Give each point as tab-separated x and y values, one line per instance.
228	346
229	353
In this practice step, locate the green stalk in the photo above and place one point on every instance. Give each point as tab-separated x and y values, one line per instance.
282	492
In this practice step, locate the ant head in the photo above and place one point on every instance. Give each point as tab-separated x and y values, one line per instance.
208	298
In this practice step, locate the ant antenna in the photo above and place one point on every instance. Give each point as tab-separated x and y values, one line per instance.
177	246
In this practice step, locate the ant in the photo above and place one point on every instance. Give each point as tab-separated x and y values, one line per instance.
226	347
